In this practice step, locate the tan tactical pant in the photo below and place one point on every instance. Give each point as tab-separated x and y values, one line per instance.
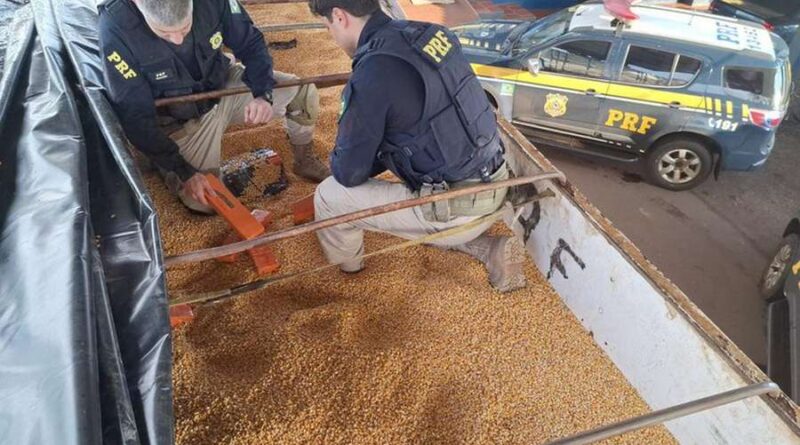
345	242
200	140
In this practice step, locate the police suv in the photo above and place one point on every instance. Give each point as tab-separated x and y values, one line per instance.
685	92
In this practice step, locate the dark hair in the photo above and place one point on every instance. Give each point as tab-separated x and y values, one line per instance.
358	8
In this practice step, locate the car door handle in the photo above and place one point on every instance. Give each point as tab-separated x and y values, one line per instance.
591	92
674	104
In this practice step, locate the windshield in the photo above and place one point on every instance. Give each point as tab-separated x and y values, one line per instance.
766	9
543	30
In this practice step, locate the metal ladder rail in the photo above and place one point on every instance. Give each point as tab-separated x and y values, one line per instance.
666	414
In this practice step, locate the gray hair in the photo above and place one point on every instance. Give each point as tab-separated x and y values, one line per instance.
165	12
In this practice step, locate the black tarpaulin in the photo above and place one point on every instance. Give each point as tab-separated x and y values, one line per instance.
85	353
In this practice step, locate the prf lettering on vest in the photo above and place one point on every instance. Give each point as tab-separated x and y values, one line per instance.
438	46
630	121
121	65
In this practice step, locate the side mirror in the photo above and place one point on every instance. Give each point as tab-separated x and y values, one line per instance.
534	64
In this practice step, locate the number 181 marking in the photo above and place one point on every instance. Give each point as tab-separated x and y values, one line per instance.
722	124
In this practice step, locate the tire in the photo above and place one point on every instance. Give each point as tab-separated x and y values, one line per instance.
794	109
794	106
690	161
774	276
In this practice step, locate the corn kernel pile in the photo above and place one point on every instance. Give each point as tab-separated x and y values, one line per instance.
417	348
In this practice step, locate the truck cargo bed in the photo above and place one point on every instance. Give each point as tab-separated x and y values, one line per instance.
418	348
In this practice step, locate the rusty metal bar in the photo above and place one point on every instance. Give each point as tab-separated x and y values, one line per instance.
330	80
279	27
241	246
231	292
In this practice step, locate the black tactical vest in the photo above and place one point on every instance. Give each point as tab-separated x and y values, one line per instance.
157	62
456	138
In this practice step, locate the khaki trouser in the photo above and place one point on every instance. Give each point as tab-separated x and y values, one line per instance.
345	242
200	140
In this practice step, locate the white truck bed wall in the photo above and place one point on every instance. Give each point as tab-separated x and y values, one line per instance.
664	345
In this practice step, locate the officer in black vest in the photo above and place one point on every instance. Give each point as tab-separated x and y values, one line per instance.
164	48
414	107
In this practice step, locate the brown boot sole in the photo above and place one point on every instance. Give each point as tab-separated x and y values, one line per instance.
514	256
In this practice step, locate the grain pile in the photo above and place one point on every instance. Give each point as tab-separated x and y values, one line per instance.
417	348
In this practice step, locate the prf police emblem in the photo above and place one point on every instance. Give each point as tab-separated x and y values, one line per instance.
556	105
216	40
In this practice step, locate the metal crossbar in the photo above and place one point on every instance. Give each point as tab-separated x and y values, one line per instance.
666	414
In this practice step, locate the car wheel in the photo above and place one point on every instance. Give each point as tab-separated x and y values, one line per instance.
678	164
794	107
774	276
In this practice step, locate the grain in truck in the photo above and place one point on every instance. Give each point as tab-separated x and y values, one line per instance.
111	288
417	348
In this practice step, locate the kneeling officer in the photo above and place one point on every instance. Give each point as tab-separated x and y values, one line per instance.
412	106
163	48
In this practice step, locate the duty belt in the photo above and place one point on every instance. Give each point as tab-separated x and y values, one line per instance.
478	204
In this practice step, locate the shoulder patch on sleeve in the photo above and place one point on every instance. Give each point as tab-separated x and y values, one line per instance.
216	40
121	66
235	7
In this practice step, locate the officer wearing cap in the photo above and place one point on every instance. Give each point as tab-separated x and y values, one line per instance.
163	48
412	106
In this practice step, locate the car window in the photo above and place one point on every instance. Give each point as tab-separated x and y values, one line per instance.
749	80
585	58
647	66
543	30
766	85
685	71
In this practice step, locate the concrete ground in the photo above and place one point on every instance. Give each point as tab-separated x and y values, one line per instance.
713	241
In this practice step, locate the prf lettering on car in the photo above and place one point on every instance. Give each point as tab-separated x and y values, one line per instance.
438	46
630	121
121	65
727	32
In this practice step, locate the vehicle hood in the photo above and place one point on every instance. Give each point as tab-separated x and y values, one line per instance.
489	36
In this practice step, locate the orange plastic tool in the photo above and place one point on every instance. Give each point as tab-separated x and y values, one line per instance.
275	159
263	258
227	206
262	216
230	239
180	314
303	210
